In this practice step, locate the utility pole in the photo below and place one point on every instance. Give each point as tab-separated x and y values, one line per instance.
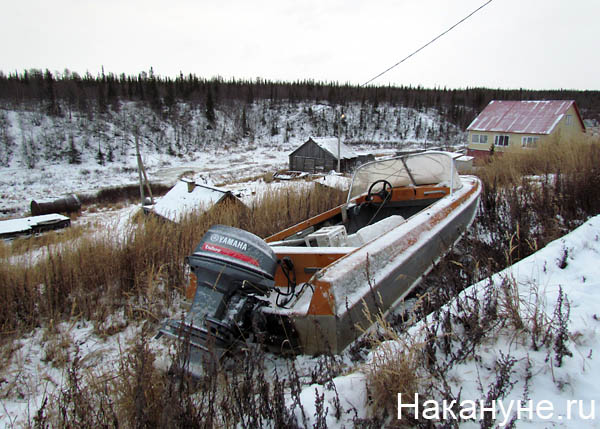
340	142
142	172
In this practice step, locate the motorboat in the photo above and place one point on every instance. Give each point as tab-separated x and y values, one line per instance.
315	287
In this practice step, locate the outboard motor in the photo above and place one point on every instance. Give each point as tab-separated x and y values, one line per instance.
235	272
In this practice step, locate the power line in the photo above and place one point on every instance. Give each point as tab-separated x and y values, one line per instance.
428	43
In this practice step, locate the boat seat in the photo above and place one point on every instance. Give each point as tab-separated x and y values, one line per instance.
368	233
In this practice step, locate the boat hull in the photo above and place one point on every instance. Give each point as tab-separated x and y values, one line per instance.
372	279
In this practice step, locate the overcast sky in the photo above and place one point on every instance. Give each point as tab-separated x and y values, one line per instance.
533	44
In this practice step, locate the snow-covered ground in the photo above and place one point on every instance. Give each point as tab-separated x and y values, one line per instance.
19	186
563	396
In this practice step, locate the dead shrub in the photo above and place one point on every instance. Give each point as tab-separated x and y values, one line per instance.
394	369
22	245
56	345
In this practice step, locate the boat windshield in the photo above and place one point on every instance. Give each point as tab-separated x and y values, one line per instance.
427	168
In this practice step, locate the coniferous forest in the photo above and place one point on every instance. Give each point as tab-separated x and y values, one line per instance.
81	93
66	117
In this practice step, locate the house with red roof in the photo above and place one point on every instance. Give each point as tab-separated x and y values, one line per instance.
505	125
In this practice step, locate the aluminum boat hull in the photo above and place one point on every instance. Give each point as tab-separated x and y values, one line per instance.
371	279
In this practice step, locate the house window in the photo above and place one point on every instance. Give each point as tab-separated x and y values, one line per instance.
479	138
501	140
569	120
530	141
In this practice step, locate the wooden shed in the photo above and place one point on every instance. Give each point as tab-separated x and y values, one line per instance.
321	154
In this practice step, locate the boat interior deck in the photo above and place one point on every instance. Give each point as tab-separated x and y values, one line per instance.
321	240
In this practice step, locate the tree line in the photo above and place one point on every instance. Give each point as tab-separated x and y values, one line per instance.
87	93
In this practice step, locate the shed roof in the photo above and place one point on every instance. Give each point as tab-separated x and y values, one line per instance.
330	145
26	225
178	201
523	117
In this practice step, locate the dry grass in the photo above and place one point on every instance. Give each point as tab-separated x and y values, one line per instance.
395	367
556	156
22	245
530	198
56	347
5	250
118	276
138	268
136	393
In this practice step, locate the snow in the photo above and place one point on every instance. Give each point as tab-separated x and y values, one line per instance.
179	201
539	275
30	376
385	254
330	144
335	180
212	156
24	225
370	232
352	395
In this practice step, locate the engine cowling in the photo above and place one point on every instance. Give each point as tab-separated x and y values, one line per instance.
235	269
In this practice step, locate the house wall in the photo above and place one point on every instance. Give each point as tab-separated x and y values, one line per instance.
570	130
566	128
311	158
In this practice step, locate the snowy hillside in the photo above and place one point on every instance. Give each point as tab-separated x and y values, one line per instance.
44	156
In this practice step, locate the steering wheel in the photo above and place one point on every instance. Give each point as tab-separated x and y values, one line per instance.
384	193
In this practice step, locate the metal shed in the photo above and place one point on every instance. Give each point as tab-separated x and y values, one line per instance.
321	154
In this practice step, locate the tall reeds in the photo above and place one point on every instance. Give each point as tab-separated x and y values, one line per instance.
99	272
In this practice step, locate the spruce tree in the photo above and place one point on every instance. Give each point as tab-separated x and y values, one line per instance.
53	106
210	107
74	154
100	155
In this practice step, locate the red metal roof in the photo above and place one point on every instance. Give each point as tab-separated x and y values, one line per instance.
522	117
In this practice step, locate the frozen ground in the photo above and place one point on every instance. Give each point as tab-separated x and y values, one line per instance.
562	397
559	397
19	186
565	396
43	157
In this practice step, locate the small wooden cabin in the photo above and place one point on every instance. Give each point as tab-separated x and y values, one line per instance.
321	154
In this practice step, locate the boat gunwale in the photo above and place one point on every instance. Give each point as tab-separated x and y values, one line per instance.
419	192
323	280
